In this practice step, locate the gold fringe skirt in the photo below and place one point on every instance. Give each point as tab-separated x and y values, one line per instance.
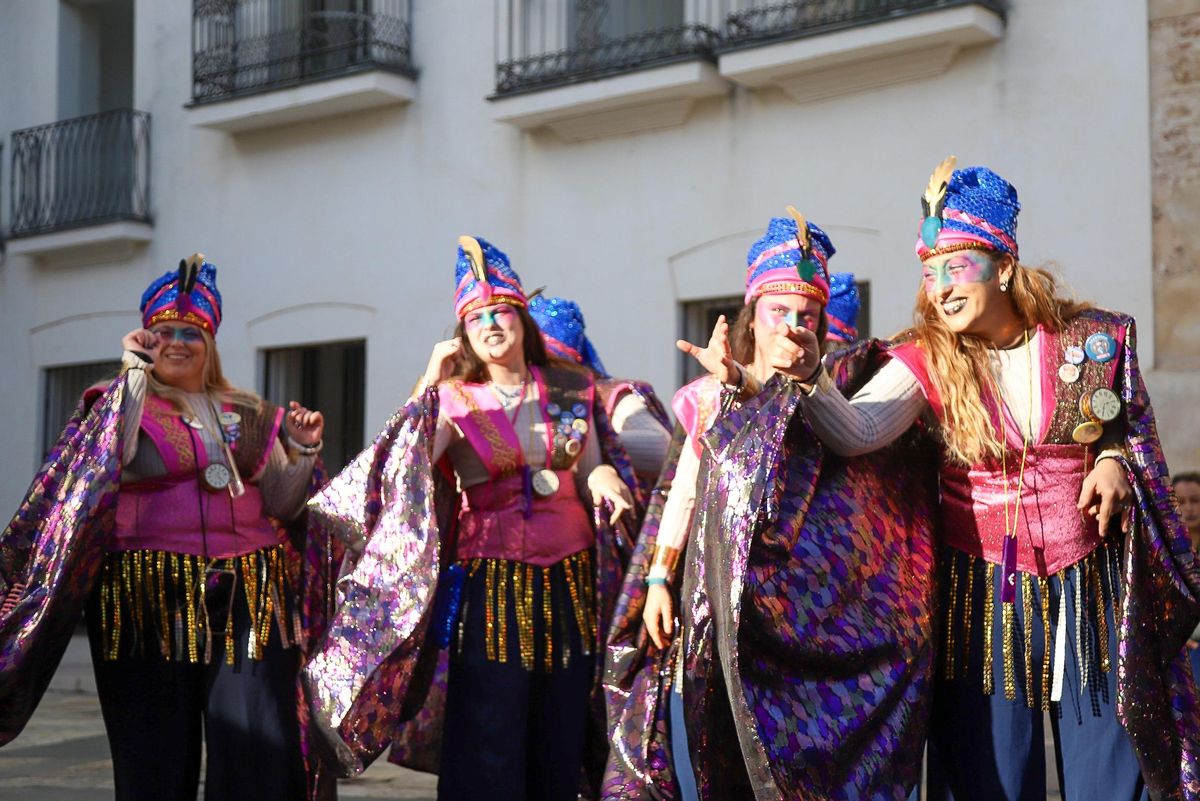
533	608
1088	592
169	603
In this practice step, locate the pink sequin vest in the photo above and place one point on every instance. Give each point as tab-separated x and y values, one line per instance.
492	520
1051	534
173	512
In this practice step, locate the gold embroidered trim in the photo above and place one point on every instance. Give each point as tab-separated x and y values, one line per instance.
504	456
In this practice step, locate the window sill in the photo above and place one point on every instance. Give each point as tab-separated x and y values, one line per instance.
305	102
644	100
101	242
865	57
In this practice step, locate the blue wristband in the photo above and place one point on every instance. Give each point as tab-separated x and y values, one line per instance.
656	581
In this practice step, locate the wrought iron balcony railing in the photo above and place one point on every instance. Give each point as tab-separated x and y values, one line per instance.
756	22
79	172
545	43
242	47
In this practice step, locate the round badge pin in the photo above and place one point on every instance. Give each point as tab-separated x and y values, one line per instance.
580	425
230	418
566	418
1068	372
1075	355
1100	347
580	410
545	483
1087	433
573	447
553	409
1101	404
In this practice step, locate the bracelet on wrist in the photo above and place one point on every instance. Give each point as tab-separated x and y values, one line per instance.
816	374
666	556
305	450
657	581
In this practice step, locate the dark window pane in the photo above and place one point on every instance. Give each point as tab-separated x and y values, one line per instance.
329	378
62	387
699	317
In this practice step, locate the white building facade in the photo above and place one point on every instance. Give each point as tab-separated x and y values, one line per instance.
326	154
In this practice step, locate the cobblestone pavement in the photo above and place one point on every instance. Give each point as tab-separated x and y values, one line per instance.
63	754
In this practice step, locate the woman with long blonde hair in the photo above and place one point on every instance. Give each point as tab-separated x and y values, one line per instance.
195	622
1047	443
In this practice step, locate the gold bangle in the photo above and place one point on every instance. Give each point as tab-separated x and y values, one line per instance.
666	556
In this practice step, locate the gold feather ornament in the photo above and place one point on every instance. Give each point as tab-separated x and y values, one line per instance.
934	200
805	267
470	246
189	271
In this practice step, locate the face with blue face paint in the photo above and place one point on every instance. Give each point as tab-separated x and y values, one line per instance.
965	289
495	333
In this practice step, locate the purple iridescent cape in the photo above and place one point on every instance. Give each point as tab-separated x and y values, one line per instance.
51	553
1156	694
637	674
807	607
378	680
52	550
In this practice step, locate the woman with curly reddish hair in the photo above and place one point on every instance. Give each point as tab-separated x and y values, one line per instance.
1053	595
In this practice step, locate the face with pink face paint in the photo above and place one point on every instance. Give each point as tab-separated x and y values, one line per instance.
798	311
495	333
965	288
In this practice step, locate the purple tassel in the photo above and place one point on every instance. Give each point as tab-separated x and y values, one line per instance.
1008	572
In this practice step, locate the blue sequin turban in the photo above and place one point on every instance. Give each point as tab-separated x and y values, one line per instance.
979	212
486	284
775	264
188	295
565	332
842	309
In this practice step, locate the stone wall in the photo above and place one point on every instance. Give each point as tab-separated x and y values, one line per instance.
1175	164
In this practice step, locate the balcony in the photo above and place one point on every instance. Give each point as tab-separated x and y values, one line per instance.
262	63
592	68
81	184
813	49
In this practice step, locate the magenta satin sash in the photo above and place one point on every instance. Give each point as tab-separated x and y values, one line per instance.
1051	533
492	523
180	516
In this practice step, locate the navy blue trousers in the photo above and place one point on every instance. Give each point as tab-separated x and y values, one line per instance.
681	758
513	734
989	748
160	713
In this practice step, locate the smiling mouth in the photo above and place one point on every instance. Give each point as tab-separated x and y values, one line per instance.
493	339
177	357
953	306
